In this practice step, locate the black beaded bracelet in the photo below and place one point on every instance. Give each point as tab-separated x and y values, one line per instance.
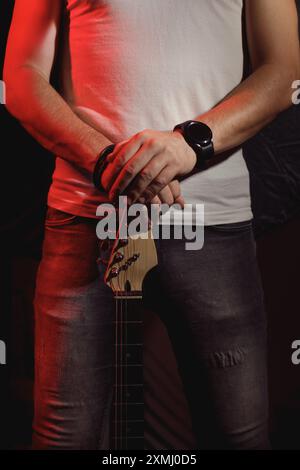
101	165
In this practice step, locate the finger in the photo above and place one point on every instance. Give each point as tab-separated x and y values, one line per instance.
176	191
175	188
138	173
118	159
116	150
106	176
156	200
180	200
166	196
158	183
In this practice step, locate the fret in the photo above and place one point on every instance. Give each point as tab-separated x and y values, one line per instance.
125	366
125	403
128	322
130	393
128	438
141	385
128	421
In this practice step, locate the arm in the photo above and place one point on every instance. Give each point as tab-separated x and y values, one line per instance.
30	97
272	34
157	156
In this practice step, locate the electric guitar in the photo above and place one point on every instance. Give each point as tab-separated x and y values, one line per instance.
129	262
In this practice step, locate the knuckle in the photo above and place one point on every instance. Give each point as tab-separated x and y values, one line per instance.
120	162
145	133
149	194
145	175
129	170
160	181
152	144
138	137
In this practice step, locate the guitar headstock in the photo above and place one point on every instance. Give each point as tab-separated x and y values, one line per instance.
130	260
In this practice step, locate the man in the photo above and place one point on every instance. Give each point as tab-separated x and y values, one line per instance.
131	71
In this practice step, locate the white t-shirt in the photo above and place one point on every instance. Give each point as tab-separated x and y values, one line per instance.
129	65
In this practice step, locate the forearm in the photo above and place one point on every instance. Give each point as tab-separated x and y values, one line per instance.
44	113
249	107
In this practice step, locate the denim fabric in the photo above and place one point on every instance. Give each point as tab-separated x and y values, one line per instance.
212	305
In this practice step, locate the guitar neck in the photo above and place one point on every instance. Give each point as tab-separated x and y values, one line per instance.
129	262
128	405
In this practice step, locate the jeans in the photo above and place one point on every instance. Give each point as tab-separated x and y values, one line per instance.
211	302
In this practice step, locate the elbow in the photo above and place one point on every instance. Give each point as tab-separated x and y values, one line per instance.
12	104
12	92
18	81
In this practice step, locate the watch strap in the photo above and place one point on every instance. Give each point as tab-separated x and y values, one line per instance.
203	152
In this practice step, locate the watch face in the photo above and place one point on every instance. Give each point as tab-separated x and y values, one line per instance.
198	133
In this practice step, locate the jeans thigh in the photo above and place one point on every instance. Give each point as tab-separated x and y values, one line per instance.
73	339
211	302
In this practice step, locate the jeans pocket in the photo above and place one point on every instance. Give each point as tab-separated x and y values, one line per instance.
57	218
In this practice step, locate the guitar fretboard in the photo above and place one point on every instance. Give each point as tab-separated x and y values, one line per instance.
128	405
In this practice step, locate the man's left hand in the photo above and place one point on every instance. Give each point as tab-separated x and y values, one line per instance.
142	166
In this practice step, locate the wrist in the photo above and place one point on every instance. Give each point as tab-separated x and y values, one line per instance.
100	165
190	157
199	138
91	145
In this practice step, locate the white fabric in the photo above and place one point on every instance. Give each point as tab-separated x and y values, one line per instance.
135	64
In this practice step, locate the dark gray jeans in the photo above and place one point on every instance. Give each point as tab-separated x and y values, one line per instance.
212	304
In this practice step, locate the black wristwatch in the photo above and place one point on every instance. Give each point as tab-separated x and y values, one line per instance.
199	136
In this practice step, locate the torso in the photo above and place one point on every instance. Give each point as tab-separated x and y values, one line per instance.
136	64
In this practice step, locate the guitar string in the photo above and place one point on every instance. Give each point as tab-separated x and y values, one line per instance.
126	360
125	329
115	410
119	364
122	388
120	376
125	326
119	326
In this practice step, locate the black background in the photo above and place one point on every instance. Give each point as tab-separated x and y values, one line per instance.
26	170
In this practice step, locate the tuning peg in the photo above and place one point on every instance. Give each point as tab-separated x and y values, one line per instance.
118	257
114	272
